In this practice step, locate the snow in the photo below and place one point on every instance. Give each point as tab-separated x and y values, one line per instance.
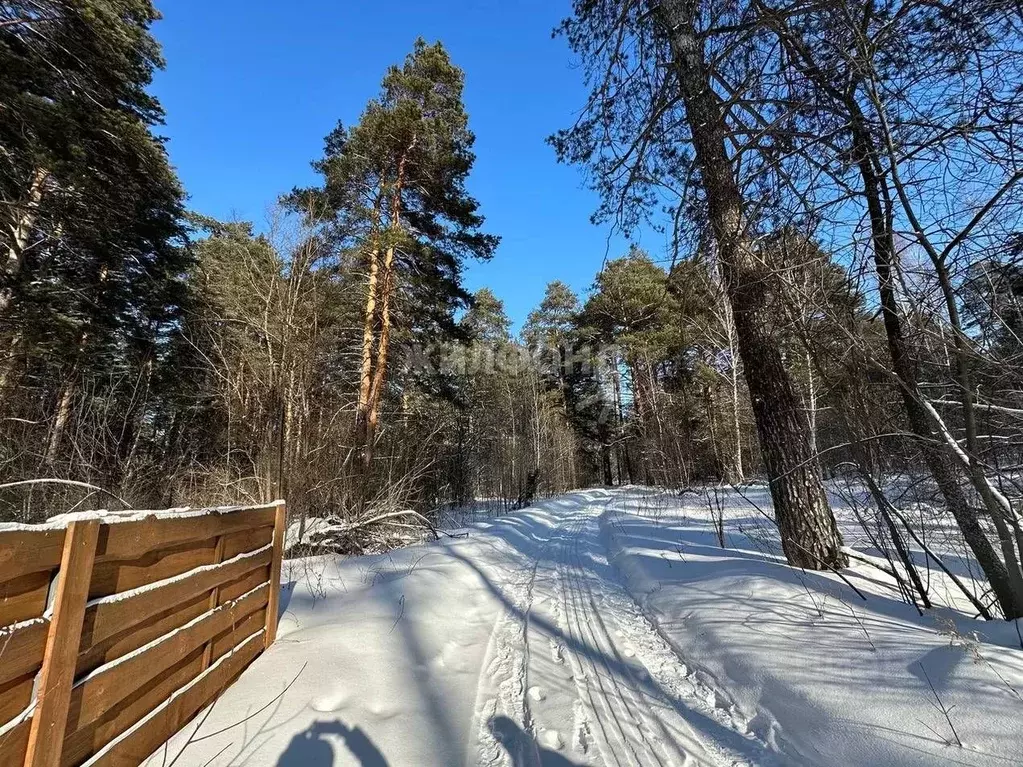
608	627
822	675
7	632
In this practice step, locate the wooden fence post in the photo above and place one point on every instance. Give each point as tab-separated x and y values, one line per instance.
53	690
280	521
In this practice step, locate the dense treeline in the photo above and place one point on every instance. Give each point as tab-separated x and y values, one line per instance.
160	357
839	182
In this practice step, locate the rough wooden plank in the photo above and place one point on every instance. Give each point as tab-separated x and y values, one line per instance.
118	576
22	647
231	637
107	618
107	686
142	634
14	743
15	696
83	743
243	585
29	551
24	597
280	523
167	647
53	696
136	745
247	540
130	540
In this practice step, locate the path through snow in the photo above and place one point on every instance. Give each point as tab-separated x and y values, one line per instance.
522	644
573	666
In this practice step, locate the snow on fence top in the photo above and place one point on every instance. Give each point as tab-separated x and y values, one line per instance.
115	629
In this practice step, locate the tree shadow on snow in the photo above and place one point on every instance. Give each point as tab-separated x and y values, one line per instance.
312	748
521	748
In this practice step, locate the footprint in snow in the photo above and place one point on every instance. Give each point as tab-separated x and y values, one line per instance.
330	702
551	739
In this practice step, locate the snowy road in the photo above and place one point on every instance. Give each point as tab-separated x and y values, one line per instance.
608	628
572	665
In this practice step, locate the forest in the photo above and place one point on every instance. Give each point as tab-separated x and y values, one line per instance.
842	304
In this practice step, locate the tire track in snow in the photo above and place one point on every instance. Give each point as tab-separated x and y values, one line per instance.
624	714
630	700
506	665
596	703
664	715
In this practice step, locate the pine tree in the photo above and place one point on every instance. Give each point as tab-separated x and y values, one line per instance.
394	192
656	121
93	245
636	311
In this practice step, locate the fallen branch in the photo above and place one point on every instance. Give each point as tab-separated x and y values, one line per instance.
358	525
69	482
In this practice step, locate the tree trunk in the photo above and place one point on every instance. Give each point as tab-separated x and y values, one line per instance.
60	422
809	534
20	231
131	428
811	404
719	461
739	472
380	366
387	284
8	367
368	337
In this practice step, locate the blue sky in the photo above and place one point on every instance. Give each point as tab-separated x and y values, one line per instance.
252	87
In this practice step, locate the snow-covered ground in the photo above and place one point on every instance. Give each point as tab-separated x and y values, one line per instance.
610	628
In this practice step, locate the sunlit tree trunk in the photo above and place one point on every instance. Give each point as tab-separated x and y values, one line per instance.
21	229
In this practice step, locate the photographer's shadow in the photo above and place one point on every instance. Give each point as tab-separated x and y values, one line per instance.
311	747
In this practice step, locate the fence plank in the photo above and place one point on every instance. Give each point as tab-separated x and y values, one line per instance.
105	619
23	646
135	746
131	540
82	743
14	743
15	696
142	634
46	734
244	584
214	601
225	640
280	522
172	598
29	551
24	597
108	686
247	540
118	576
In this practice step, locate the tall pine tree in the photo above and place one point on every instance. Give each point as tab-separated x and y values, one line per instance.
394	192
91	242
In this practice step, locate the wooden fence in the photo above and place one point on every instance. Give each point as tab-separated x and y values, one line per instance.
118	630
